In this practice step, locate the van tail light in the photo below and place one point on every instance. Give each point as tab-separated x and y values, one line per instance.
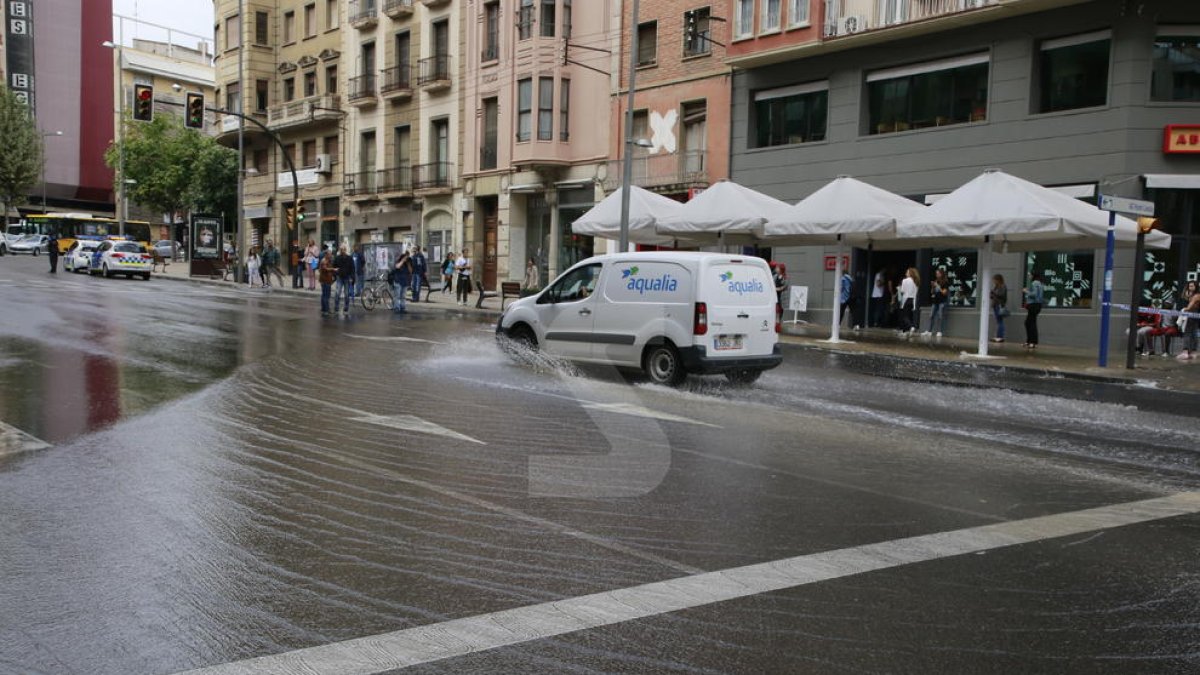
700	325
778	318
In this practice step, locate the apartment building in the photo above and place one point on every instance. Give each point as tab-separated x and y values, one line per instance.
281	64
920	96
682	98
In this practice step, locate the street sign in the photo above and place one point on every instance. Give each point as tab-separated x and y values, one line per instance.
798	298
1134	207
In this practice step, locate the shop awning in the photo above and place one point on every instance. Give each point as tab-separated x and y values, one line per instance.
1178	181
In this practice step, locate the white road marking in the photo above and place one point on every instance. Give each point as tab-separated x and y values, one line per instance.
641	411
13	441
459	637
415	424
397	338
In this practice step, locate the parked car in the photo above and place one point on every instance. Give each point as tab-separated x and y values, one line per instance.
79	256
35	244
121	257
164	249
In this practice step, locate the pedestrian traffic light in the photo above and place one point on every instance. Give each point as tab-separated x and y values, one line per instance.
143	102
195	111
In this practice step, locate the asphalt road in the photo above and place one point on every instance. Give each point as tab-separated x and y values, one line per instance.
192	477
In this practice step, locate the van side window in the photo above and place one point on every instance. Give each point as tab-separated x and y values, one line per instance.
575	285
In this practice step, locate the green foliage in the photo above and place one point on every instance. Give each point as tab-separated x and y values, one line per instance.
176	168
21	153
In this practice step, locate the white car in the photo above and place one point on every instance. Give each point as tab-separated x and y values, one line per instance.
120	257
31	243
79	256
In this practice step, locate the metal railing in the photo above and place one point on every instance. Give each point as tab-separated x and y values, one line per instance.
433	176
396	179
491	50
397	78
361	87
304	111
433	69
850	17
689	168
395	8
362	11
362	183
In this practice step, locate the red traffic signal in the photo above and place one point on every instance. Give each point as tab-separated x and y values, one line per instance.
143	102
194	116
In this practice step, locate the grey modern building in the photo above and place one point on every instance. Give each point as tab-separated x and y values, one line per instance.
919	99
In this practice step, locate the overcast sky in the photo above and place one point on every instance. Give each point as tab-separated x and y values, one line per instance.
191	16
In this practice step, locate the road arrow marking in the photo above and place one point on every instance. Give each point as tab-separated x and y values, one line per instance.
13	441
642	411
414	424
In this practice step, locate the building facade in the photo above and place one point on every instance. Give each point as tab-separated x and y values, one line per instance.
920	96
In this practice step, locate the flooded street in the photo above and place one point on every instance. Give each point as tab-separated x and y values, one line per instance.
194	476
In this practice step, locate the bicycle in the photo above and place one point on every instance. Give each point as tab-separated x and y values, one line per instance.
378	290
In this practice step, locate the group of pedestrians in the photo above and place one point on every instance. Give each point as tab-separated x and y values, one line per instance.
261	265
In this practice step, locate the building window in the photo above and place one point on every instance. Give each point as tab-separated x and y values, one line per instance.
695	138
331	148
309	150
564	110
641	130
1066	275
796	114
743	18
547	19
769	16
310	83
491	134
289	27
402	152
289	89
932	94
233	97
696	32
310	21
647	43
1176	65
491	28
332	15
797	13
366	152
1073	72
262	28
524	109
260	160
262	90
545	108
525	20
331	82
233	32
566	20
289	151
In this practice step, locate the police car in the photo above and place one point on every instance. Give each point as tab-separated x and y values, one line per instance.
120	257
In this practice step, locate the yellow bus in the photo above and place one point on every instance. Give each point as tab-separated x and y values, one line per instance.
71	226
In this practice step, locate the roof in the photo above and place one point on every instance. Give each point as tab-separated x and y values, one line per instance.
162	66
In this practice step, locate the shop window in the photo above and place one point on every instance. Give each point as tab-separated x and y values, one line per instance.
934	94
1176	67
796	114
1066	275
647	43
962	271
1073	72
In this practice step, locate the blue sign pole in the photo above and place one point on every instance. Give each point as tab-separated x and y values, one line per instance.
1106	302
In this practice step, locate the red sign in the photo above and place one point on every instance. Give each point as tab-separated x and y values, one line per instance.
1181	139
831	262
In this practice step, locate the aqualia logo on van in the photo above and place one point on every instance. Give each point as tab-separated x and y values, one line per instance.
741	287
642	285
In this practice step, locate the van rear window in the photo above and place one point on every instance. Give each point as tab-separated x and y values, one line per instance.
738	285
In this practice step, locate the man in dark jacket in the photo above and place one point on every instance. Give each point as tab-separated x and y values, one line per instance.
344	265
420	270
52	250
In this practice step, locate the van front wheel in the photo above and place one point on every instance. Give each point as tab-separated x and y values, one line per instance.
662	365
743	376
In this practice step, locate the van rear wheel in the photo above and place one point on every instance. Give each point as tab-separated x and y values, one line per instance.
743	376
663	366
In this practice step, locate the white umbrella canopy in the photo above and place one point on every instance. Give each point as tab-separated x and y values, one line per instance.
1018	215
646	208
858	211
725	212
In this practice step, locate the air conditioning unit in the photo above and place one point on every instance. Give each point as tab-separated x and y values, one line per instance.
323	164
849	25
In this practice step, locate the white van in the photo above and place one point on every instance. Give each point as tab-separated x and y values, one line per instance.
669	313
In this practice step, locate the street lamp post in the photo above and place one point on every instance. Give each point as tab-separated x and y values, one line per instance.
46	134
627	145
120	133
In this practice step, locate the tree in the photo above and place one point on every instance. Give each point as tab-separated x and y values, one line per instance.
22	155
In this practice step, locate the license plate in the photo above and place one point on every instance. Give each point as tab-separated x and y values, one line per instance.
721	342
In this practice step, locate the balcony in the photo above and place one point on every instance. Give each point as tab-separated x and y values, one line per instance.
397	83
396	182
362	185
433	73
312	110
678	171
436	178
361	91
398	9
364	14
434	3
860	16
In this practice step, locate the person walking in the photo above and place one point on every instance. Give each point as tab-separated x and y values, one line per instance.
270	261
908	300
999	295
344	265
420	273
52	253
403	274
312	257
326	273
448	272
296	257
845	296
532	275
1189	326
253	265
879	300
1035	295
779	279
463	267
360	271
939	292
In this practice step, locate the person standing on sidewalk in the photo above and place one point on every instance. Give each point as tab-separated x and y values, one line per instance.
463	267
908	300
448	272
532	276
1189	327
296	257
271	261
845	296
312	256
360	270
253	265
999	294
402	275
344	265
1035	295
939	292
326	274
52	252
420	272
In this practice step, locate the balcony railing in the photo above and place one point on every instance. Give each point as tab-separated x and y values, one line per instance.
398	9
491	50
433	176
397	81
362	183
687	168
850	17
434	72
361	88
304	111
396	179
434	3
364	13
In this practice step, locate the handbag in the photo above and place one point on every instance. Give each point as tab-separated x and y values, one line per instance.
1003	312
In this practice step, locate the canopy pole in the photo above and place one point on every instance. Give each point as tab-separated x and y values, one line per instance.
1106	303
836	332
985	296
868	286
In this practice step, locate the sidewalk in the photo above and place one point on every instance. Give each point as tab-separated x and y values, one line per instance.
1047	360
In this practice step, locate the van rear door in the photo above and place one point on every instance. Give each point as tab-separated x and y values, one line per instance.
741	308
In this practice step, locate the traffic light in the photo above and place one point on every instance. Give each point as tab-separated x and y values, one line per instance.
143	102
195	111
289	214
300	213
